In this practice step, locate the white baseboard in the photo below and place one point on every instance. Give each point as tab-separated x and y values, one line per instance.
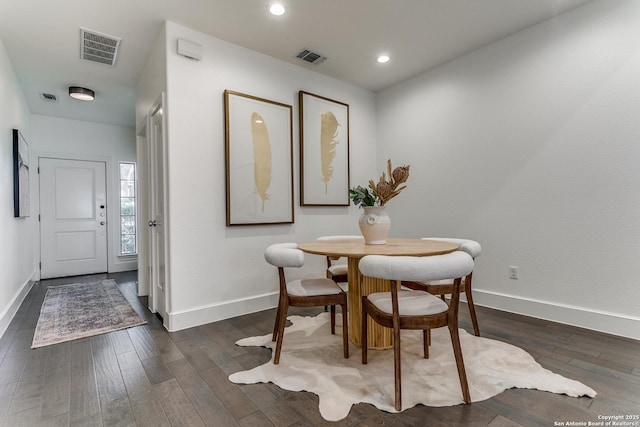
179	320
123	266
597	320
607	322
10	311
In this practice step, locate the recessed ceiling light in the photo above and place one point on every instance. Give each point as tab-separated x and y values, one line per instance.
277	9
383	58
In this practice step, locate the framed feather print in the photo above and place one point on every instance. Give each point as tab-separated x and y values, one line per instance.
259	160
324	151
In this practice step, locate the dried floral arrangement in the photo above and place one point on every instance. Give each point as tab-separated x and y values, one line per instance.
377	194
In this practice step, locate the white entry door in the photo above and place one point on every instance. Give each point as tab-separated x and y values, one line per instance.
73	217
157	261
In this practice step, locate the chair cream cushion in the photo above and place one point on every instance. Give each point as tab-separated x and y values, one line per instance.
312	287
338	269
284	255
410	303
414	269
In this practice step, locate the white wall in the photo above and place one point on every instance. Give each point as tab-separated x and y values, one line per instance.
152	79
80	140
530	145
219	271
17	266
151	82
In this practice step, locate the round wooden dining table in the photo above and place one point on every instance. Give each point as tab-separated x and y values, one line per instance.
378	337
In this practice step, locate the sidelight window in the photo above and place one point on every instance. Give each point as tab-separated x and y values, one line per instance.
128	239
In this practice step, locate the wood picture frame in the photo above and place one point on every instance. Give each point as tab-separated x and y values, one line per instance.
324	151
21	197
259	160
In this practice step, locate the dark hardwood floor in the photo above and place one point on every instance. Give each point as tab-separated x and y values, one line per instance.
146	376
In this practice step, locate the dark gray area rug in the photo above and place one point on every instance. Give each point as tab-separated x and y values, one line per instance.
80	310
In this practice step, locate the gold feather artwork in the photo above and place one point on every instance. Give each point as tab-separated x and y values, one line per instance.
328	132
261	156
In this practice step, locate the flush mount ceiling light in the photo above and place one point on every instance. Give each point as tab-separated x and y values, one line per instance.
383	58
277	9
81	93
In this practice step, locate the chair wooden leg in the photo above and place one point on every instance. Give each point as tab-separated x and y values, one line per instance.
276	325
363	334
426	342
457	351
345	331
397	367
472	311
282	321
333	320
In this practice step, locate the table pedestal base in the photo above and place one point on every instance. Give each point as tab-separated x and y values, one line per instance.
378	337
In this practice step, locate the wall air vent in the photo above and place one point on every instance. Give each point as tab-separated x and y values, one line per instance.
311	57
49	97
98	47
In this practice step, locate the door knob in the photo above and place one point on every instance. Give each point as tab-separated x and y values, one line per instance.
152	223
101	222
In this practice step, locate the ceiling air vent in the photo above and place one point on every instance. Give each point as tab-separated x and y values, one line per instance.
98	47
311	57
49	97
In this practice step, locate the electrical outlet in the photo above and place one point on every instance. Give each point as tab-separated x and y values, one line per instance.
513	272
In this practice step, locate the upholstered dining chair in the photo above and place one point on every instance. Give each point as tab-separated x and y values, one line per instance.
336	267
303	293
445	287
408	309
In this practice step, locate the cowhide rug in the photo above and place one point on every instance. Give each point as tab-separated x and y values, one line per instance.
312	360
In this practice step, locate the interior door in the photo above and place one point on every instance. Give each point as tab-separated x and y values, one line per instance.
73	217
157	261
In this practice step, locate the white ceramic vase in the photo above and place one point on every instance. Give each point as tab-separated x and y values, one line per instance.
374	225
